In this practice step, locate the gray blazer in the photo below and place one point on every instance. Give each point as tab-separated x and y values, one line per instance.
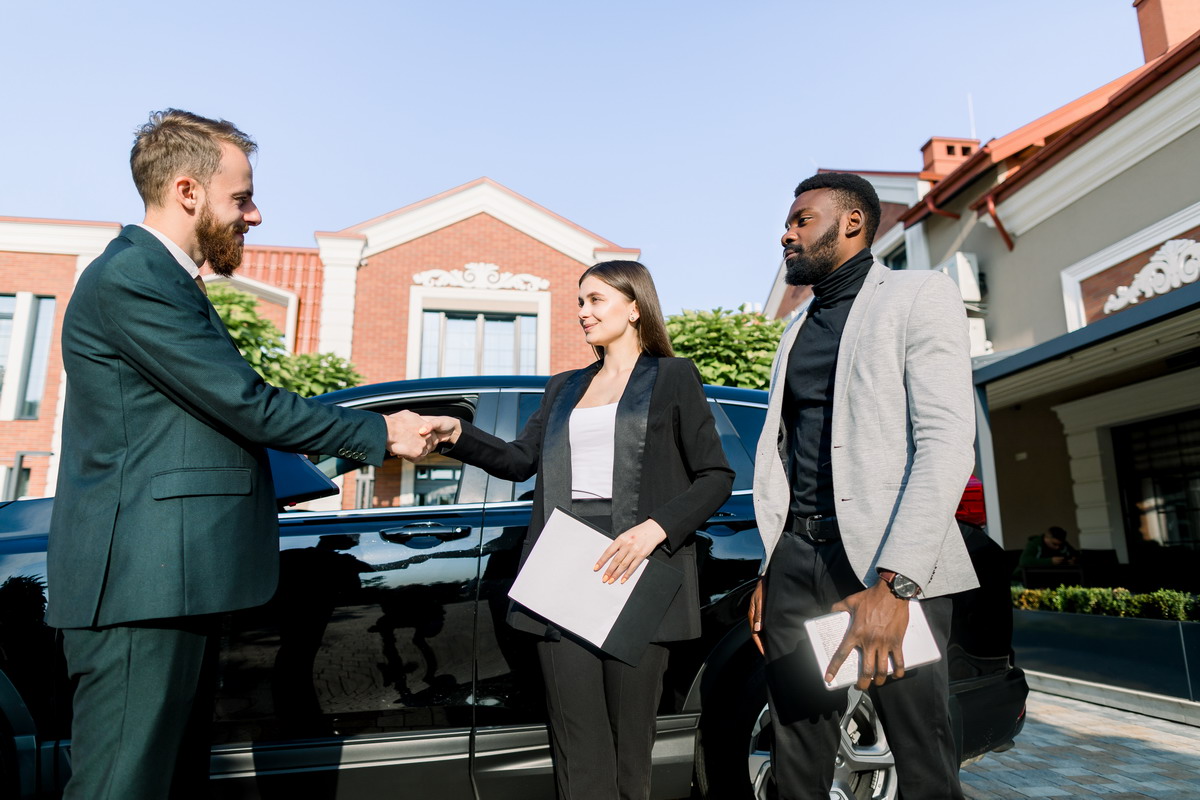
903	432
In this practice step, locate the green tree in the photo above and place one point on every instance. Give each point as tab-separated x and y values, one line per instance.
261	344
730	348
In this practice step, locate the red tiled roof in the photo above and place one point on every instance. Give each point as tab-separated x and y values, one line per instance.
44	221
1148	81
1032	134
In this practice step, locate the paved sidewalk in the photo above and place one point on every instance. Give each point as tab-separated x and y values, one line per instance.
1075	749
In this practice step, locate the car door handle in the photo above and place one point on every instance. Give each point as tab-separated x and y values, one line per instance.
407	533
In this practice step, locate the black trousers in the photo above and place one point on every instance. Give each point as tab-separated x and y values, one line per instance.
802	581
603	713
142	709
602	719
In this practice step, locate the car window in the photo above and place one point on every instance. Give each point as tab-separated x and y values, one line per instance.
735	451
528	404
437	480
748	421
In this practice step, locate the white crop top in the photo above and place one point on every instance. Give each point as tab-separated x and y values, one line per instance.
593	441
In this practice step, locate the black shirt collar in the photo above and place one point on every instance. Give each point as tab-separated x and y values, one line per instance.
846	280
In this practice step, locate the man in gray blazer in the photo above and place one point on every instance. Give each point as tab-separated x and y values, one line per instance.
165	515
868	443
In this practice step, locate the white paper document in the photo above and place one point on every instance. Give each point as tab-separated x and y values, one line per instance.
825	634
558	581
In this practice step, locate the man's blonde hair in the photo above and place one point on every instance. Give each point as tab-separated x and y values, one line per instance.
178	142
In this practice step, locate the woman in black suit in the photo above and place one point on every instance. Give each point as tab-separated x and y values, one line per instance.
629	444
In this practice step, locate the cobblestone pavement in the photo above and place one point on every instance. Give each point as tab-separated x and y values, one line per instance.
1074	749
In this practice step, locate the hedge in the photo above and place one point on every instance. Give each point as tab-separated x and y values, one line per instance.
1160	604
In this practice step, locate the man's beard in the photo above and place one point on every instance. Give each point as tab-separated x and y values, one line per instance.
805	269
219	244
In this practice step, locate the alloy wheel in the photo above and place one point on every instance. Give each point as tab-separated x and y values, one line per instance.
864	768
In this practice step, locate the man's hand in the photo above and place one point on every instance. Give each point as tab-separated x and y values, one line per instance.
629	550
878	622
754	615
407	435
443	429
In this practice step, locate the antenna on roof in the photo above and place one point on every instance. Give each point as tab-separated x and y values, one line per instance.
971	114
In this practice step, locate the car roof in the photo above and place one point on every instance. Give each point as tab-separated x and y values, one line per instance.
486	382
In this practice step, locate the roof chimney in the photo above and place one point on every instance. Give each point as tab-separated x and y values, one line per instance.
1165	23
943	154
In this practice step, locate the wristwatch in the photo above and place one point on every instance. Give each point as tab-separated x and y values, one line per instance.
902	587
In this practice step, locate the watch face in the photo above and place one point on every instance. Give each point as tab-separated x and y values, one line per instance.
904	587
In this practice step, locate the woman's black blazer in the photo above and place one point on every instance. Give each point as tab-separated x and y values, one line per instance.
668	465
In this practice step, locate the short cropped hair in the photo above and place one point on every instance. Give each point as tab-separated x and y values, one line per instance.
178	142
850	191
1057	533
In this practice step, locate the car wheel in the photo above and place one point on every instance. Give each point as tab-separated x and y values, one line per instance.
734	748
864	768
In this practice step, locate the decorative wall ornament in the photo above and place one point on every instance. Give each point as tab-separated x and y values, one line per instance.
1177	262
479	275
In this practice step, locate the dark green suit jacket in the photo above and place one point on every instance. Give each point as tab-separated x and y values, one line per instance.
165	506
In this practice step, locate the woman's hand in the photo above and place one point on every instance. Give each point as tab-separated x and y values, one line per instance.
629	550
442	429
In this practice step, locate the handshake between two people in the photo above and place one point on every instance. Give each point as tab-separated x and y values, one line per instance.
413	436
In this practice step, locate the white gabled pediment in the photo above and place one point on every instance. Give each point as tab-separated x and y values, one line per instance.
483	196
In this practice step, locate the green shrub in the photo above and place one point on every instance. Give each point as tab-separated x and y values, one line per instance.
1166	604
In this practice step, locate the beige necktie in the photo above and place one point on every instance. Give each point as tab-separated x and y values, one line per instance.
200	283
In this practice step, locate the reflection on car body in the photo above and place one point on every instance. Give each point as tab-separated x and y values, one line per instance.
383	660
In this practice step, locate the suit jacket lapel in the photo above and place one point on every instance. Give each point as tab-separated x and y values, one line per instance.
876	275
633	416
556	445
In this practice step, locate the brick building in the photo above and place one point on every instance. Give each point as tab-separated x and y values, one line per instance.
475	280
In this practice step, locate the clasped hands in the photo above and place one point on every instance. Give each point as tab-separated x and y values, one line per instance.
413	437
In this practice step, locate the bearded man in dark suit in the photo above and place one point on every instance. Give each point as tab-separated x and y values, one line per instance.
165	515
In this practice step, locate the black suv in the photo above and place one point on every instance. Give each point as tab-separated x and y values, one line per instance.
383	663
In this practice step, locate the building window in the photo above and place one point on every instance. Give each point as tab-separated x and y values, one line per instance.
26	328
897	258
456	343
1159	476
8	306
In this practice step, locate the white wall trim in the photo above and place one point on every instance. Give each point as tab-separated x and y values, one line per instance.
917	247
507	301
265	291
1086	423
1159	121
56	238
341	257
884	244
1130	246
899	189
490	199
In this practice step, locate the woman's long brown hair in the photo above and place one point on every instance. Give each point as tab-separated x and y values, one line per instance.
633	280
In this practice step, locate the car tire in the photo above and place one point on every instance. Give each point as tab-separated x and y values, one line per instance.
733	758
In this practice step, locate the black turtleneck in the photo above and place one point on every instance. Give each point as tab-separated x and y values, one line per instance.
808	399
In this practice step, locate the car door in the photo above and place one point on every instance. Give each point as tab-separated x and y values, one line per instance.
359	676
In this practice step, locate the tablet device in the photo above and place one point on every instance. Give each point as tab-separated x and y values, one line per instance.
825	635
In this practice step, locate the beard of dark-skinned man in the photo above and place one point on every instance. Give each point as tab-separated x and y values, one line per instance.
806	267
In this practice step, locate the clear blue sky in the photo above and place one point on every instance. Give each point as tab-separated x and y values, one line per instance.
679	128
